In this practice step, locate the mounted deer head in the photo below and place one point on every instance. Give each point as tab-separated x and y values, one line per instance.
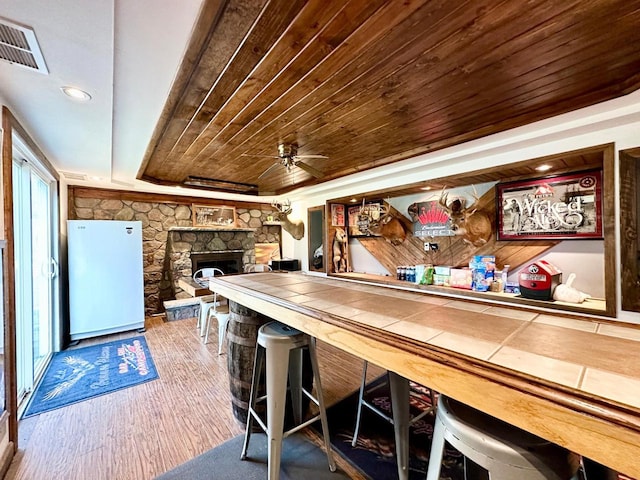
294	227
473	226
388	226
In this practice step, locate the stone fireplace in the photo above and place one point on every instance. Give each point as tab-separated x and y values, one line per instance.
190	248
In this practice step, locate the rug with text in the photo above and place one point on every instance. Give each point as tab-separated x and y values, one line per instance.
81	373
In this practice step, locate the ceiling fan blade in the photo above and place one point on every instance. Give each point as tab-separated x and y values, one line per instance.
268	169
311	156
309	169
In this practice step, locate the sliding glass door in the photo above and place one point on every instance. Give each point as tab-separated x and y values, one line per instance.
36	269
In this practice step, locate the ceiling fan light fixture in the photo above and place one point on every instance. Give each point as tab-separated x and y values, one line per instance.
76	93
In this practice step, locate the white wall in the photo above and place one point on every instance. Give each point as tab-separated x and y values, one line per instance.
616	121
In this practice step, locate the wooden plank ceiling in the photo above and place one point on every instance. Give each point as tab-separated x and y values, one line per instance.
370	82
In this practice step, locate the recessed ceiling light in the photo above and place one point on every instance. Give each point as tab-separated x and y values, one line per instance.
426	188
76	93
543	168
353	200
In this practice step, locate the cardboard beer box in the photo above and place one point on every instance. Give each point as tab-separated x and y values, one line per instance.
443	270
461	278
441	280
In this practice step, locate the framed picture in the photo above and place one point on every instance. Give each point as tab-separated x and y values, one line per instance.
359	218
559	207
337	215
213	216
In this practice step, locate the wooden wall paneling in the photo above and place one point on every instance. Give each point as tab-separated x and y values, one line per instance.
629	248
9	123
454	251
609	228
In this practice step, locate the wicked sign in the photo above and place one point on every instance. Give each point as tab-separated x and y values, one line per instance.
558	207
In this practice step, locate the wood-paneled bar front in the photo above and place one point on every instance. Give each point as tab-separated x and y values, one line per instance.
570	380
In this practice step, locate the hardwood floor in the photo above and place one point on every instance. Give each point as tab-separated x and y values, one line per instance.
140	432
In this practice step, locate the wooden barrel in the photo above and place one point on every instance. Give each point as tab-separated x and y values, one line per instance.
242	335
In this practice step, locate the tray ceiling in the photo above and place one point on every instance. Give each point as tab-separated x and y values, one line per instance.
371	82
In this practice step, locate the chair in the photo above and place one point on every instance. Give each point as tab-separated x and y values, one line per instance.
211	306
504	451
257	267
221	314
279	350
201	276
362	401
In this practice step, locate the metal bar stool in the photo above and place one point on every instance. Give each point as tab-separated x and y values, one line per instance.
282	347
503	450
400	394
363	402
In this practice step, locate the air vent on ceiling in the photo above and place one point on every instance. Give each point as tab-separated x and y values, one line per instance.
18	45
74	176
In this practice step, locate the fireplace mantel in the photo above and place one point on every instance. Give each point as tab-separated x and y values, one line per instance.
210	229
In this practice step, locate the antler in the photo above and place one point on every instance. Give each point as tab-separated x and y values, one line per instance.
282	207
443	200
476	199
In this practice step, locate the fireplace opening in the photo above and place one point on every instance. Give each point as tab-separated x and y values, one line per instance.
229	261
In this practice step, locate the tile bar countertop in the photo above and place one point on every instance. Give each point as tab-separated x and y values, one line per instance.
571	380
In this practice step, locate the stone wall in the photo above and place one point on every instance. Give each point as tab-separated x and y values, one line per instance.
157	218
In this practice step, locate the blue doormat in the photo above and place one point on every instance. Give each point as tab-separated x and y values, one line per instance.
82	373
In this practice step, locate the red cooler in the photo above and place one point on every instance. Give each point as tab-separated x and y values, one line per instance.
538	280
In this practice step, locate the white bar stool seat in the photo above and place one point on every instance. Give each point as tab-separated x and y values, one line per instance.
505	451
279	350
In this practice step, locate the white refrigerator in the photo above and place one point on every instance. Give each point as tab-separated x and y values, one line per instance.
106	284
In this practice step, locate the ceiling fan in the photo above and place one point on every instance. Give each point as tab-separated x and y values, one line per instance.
288	157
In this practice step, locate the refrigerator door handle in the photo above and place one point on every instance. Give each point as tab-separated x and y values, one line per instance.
53	273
